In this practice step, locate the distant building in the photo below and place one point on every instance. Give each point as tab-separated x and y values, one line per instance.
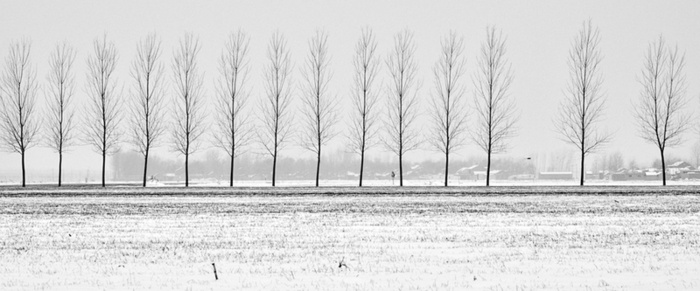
477	172
690	175
522	177
556	176
481	175
590	175
678	168
415	171
635	175
682	171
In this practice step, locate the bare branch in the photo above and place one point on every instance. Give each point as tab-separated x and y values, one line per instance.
188	119
318	107
148	112
59	95
234	130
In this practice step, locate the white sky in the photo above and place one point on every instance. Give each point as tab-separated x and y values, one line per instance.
539	35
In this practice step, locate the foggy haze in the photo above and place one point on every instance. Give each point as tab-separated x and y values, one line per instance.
538	38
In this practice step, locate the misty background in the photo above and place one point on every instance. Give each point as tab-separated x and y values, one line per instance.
539	36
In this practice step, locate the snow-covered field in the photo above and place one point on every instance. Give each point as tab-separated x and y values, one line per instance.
416	238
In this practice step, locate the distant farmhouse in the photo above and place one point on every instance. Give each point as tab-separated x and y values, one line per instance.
683	171
624	174
677	171
477	172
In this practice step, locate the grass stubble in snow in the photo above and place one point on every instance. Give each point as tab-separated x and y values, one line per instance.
390	242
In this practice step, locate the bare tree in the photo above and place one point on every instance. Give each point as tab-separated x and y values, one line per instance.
147	110
234	131
695	154
318	105
659	110
276	115
615	161
581	110
189	101
402	102
364	97
448	110
59	118
102	112
20	125
495	111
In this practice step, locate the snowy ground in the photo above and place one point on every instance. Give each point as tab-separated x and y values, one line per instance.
416	238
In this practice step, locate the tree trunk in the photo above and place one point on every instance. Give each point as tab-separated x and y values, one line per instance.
663	167
104	162
318	164
187	169
60	167
230	183
362	164
24	180
401	170
145	168
488	167
447	166
274	168
233	156
583	168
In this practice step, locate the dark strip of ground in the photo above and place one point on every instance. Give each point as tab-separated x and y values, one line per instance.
123	190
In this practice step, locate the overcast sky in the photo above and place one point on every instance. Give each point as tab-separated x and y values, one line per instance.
539	35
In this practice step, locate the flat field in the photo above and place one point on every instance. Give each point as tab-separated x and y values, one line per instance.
414	238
